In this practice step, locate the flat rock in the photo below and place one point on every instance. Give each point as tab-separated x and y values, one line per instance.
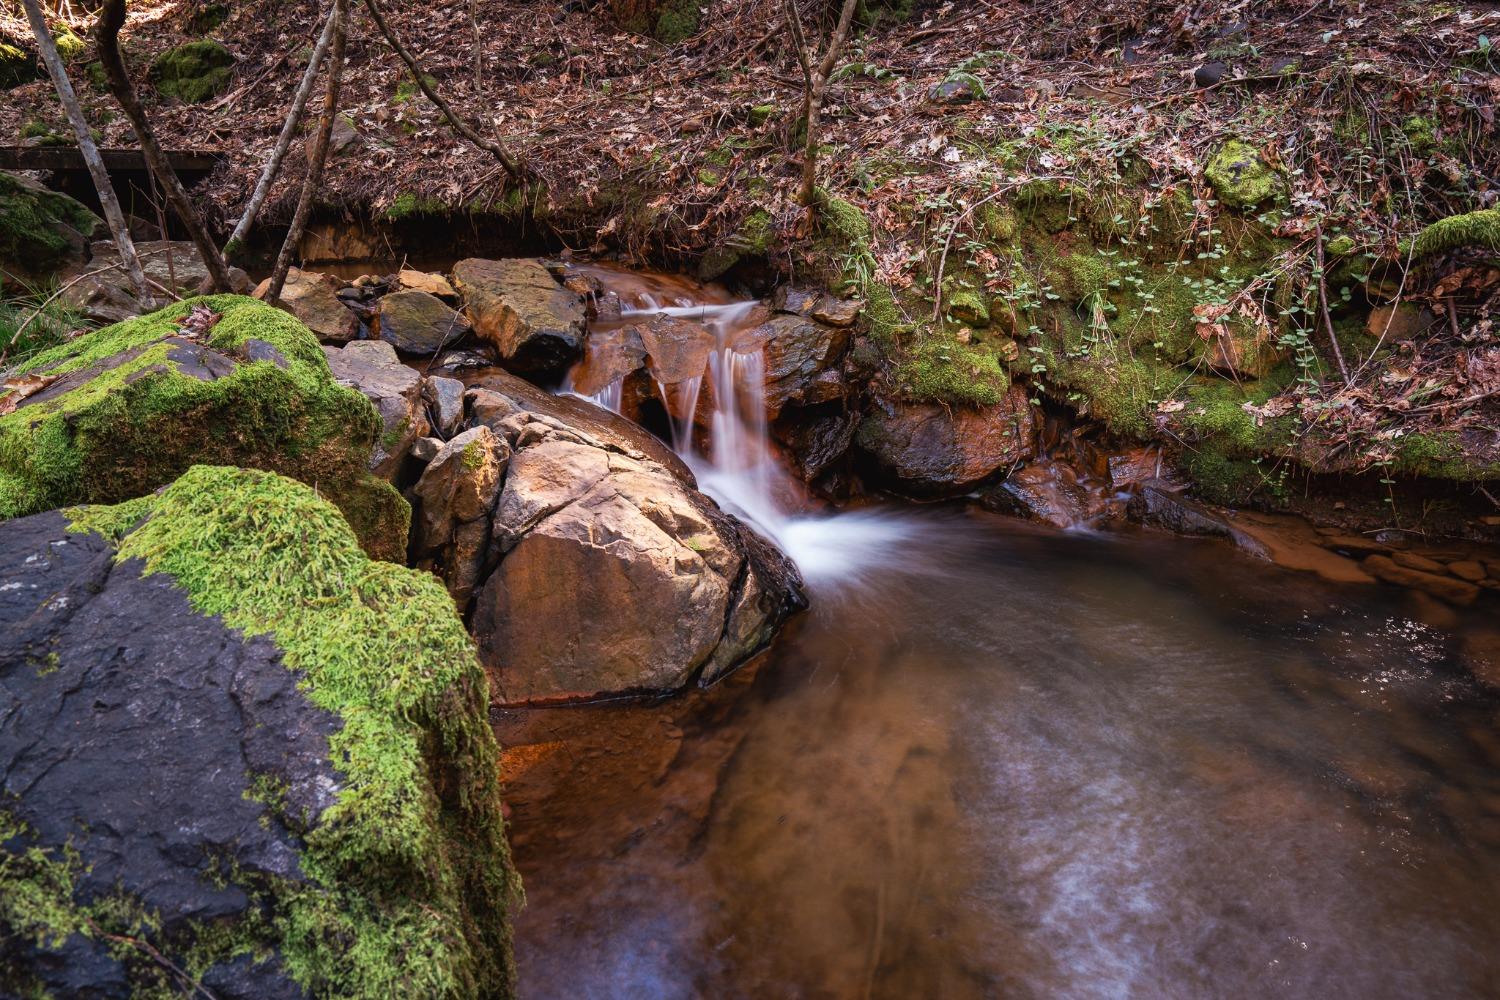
517	305
419	323
313	298
423	281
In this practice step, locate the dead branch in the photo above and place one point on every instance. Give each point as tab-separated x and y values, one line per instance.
1338	353
283	142
317	151
113	215
107	36
518	170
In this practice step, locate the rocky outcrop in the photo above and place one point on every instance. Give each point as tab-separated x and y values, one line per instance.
123	410
313	298
536	324
372	367
104	293
933	450
41	231
419	323
239	759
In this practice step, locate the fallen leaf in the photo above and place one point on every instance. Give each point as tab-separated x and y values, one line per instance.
17	389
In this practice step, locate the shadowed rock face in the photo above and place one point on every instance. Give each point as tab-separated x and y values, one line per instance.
536	324
933	450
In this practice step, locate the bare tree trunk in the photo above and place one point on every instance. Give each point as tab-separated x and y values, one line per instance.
815	88
518	170
283	142
478	47
107	34
317	152
107	200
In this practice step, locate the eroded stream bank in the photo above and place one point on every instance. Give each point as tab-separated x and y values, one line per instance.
1027	764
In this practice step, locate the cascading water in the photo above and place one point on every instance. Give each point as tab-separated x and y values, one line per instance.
739	468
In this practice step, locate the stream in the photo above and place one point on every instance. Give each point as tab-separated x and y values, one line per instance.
996	760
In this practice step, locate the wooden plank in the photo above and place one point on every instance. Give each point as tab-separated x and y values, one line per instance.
68	158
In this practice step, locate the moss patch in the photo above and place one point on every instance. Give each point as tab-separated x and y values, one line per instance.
194	72
17	66
140	421
1475	229
409	883
1240	176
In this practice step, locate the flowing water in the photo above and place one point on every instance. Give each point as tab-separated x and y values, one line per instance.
998	761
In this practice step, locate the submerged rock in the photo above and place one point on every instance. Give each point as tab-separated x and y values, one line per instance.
536	324
230	738
938	450
313	298
611	572
128	408
372	367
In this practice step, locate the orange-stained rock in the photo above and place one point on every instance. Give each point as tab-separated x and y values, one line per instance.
931	449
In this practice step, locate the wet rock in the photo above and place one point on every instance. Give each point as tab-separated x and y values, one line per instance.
221	770
133	406
1162	506
802	361
455	496
1468	569
930	449
57	232
644	585
418	323
1442	586
445	401
468	358
676	349
496	396
608	356
432	284
817	442
314	299
108	297
371	366
1240	349
1048	492
816	305
517	305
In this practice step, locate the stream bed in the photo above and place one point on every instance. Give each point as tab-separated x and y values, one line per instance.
999	761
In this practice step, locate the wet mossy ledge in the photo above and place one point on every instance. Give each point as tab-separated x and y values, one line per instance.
130	407
400	882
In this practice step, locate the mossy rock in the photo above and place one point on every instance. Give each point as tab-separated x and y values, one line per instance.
275	772
17	66
752	239
669	21
1241	177
195	72
134	405
69	45
40	230
1480	230
968	306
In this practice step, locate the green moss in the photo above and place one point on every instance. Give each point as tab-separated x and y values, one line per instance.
968	306
1420	133
135	426
841	220
98	80
942	369
17	66
761	114
39	229
669	21
408	204
1476	229
752	239
408	89
36	889
408	881
193	72
1240	176
69	45
870	14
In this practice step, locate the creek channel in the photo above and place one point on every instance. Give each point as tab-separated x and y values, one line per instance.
995	760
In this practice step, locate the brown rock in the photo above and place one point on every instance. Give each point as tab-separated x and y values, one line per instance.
330	241
371	366
432	284
455	496
931	449
1398	321
1468	569
608	356
106	296
676	349
802	361
1445	587
517	305
313	299
1412	560
418	323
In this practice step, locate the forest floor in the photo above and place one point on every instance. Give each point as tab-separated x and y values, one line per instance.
1377	118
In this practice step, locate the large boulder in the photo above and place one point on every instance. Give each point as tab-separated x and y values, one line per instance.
313	298
535	323
41	232
125	409
934	450
612	573
416	322
239	759
104	293
372	367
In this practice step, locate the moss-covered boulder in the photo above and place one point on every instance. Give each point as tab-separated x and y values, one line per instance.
1480	230
1241	177
41	231
17	66
240	759
224	379
195	72
665	20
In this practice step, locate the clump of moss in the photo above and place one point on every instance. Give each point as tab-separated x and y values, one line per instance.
408	89
669	21
69	45
408	883
968	306
134	420
751	239
408	204
1241	177
193	72
39	228
17	66
942	369
1475	229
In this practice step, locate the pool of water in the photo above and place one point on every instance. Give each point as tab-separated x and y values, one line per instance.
1014	763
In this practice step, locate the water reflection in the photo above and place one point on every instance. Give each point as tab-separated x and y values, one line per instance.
1023	764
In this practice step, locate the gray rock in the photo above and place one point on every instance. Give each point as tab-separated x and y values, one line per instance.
445	401
419	323
371	366
517	305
